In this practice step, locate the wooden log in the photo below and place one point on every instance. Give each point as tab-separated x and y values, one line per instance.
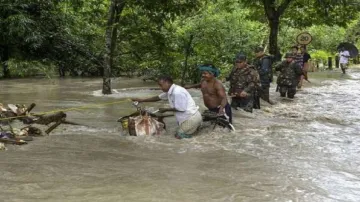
72	123
47	119
28	109
51	128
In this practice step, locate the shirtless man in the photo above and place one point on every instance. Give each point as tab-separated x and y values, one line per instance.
213	91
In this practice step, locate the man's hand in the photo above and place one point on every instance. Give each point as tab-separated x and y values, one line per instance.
243	94
233	95
221	111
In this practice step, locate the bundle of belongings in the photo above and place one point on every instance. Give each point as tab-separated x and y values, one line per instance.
23	134
142	123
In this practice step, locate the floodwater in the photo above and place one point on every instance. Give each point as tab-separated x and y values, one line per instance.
307	149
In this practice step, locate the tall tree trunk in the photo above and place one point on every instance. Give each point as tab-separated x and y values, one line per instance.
273	36
273	15
107	57
187	54
120	4
115	9
4	61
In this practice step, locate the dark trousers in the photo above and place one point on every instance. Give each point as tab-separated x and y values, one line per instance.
228	112
265	93
246	104
256	102
290	91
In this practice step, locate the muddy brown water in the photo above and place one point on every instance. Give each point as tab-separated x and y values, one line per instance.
302	150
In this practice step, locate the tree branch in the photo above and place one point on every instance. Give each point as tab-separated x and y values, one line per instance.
283	6
269	8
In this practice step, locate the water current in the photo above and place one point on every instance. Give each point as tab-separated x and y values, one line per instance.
306	149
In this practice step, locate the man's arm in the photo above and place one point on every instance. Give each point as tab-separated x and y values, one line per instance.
193	86
298	70
220	90
278	67
251	86
151	99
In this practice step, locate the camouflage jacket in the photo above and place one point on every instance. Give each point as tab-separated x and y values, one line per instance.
289	73
256	76
263	66
243	79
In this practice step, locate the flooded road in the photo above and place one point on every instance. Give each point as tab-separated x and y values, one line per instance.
302	150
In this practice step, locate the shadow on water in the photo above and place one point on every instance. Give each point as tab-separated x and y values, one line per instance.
304	149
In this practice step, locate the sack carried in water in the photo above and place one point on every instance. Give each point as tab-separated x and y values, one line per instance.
142	125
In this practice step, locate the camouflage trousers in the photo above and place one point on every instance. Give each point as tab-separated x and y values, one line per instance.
246	104
288	91
265	93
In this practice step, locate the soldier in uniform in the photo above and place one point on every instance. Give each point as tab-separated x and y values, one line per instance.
262	63
257	90
242	84
290	71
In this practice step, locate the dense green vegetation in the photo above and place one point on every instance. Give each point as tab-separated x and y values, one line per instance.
127	37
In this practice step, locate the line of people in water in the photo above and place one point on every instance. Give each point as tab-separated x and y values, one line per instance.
248	83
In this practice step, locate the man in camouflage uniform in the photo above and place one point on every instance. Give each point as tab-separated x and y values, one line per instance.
257	90
262	63
242	84
290	71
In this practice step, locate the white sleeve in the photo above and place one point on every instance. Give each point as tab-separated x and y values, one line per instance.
163	96
346	53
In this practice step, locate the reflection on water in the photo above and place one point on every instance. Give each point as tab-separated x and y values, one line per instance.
301	150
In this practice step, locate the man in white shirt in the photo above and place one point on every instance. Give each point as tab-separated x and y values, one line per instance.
344	59
186	111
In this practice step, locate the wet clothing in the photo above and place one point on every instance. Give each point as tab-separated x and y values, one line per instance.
187	115
246	103
264	93
264	66
228	113
189	126
180	99
290	90
257	90
288	78
344	57
299	59
344	60
242	79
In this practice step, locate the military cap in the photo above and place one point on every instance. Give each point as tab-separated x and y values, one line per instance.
240	57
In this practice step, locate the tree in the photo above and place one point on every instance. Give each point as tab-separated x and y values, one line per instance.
46	30
115	10
158	11
303	13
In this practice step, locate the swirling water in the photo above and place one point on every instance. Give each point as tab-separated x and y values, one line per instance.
306	149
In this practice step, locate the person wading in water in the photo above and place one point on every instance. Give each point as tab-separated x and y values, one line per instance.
213	91
290	71
186	111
